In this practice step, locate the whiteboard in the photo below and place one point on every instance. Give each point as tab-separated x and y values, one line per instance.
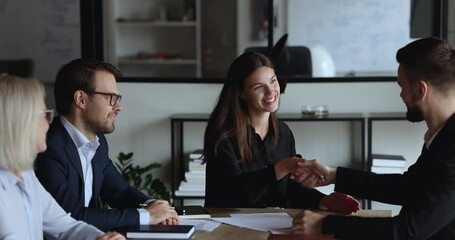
46	31
361	35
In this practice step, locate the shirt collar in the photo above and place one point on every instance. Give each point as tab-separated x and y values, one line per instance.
9	180
78	138
429	139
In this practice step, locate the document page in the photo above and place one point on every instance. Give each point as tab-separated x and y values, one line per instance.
273	222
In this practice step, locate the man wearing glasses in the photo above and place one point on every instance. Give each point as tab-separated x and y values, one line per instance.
76	168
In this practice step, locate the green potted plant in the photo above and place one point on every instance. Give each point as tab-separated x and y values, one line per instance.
141	177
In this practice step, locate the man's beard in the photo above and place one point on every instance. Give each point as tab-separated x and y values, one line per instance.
98	127
414	114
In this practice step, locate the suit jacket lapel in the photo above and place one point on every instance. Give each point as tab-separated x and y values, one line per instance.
71	150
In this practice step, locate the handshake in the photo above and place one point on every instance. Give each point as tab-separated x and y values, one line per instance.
314	173
310	173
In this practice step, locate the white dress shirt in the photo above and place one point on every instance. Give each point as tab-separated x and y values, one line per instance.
27	211
86	150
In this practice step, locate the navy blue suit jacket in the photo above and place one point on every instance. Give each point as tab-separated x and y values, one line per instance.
59	170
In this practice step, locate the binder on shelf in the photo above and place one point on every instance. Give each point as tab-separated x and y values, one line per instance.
160	231
386	160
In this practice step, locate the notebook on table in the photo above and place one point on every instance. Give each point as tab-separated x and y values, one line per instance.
161	231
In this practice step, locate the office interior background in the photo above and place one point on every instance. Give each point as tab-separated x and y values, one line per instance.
175	53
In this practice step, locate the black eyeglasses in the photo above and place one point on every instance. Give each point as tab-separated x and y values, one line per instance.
114	98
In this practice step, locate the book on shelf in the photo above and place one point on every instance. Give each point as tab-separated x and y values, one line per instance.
388	160
195	176
192	212
188	193
192	186
196	154
293	236
160	231
196	166
386	170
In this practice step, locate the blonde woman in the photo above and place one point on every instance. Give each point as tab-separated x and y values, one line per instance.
27	210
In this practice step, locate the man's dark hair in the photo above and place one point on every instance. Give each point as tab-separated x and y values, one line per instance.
431	59
78	75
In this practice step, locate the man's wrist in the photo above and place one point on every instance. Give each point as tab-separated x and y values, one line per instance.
146	203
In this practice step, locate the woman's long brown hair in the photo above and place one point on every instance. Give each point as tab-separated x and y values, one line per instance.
230	115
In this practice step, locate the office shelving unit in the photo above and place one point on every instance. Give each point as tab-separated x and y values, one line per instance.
177	143
154	38
375	117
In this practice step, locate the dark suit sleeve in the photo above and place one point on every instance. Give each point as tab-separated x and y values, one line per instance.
426	212
302	197
60	177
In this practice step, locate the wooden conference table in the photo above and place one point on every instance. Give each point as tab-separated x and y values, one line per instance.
228	232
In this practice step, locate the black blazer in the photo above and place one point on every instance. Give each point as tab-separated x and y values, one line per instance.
59	170
426	193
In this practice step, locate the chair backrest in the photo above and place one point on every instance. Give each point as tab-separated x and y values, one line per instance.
293	61
18	67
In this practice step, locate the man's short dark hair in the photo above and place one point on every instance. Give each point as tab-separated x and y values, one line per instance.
77	75
431	59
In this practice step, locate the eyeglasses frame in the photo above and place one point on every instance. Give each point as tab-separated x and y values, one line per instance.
118	97
49	114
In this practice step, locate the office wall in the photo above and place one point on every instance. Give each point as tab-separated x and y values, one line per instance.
45	31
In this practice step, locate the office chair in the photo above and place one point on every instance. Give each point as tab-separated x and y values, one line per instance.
292	61
18	67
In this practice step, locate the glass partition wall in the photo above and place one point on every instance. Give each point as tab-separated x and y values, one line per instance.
308	40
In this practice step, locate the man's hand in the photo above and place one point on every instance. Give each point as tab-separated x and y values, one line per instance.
296	167
111	236
340	203
161	212
314	173
308	222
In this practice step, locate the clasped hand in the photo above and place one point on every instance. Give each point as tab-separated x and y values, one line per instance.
161	212
312	173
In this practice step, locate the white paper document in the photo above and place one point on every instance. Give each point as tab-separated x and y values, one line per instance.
201	224
273	222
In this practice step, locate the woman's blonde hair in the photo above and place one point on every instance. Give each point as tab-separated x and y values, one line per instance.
20	103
